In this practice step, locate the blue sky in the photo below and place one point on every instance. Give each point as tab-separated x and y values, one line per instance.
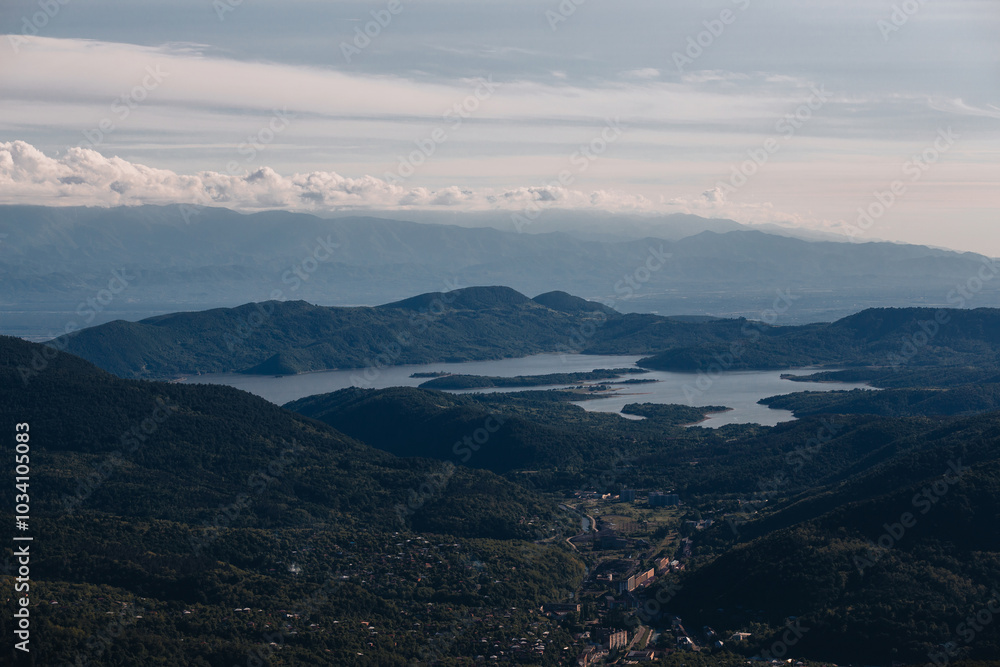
596	105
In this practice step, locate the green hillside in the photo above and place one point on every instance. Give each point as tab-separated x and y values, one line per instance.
479	323
150	501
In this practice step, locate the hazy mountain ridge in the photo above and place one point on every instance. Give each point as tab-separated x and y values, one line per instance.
56	258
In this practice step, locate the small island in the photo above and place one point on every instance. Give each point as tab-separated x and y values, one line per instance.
673	415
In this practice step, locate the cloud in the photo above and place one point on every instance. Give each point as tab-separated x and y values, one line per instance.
962	108
716	203
66	76
85	177
644	74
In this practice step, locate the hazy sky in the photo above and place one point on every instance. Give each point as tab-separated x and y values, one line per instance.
625	106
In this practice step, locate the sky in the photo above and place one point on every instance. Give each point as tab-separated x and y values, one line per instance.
874	119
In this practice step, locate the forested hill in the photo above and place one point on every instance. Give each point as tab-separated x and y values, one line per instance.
292	337
169	497
497	322
215	437
890	557
894	338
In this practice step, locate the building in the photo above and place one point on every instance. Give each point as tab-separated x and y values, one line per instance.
560	609
626	495
635	581
641	656
614	639
660	499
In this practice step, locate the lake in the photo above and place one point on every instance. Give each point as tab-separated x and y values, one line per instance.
739	390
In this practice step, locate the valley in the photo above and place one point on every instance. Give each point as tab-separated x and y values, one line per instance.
523	522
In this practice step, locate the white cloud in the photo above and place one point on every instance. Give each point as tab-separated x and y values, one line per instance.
86	177
645	73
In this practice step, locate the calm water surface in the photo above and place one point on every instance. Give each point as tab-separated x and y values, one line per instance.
739	390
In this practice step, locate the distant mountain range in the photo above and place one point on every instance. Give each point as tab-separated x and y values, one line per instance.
478	323
56	264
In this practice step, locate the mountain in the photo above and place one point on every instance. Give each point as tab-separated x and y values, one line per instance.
163	507
890	560
166	507
89	266
966	399
497	322
292	337
893	338
567	303
799	509
601	226
470	298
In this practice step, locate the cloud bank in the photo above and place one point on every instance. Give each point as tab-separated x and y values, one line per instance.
86	177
